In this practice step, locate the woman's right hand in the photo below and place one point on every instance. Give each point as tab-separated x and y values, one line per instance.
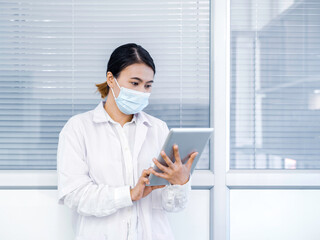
141	190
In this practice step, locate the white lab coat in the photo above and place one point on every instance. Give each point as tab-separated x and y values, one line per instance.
90	173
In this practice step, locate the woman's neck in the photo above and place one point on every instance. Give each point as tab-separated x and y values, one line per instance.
114	112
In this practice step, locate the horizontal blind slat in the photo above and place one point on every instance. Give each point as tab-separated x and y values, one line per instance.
50	61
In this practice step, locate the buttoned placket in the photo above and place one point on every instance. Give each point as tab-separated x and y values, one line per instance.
128	160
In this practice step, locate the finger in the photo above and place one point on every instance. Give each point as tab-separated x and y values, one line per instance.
146	180
145	173
160	166
176	154
161	175
191	159
166	159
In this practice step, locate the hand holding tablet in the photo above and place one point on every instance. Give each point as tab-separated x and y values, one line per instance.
177	172
179	155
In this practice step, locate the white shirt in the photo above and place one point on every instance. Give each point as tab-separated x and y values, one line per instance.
98	161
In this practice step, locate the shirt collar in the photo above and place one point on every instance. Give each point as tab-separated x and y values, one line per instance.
101	115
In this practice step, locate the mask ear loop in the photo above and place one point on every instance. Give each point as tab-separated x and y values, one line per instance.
112	88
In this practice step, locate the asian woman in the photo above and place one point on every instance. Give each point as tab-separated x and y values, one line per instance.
105	155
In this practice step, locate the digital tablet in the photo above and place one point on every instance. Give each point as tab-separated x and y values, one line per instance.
189	140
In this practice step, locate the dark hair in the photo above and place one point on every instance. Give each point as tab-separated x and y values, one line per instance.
122	57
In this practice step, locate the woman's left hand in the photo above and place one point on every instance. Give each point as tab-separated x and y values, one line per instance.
177	172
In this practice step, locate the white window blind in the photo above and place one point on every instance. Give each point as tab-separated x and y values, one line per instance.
275	85
53	53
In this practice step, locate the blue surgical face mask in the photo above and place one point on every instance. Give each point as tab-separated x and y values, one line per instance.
130	101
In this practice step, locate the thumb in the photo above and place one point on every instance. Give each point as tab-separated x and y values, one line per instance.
156	187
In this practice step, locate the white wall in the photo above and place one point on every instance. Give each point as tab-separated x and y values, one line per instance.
274	214
35	214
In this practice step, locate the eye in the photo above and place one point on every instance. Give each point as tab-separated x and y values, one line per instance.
134	83
148	86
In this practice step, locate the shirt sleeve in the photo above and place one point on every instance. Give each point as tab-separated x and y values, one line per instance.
76	189
174	198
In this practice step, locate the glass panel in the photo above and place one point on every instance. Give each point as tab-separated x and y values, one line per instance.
274	214
275	86
51	60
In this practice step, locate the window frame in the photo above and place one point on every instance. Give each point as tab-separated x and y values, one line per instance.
224	178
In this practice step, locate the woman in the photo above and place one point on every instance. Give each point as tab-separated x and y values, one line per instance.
104	158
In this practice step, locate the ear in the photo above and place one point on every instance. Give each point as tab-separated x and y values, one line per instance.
110	79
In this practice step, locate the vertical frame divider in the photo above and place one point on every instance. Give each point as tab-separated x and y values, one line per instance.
220	12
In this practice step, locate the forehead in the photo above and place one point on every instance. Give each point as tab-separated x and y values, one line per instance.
139	70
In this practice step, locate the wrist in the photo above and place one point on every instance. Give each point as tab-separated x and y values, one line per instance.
180	182
131	195
186	180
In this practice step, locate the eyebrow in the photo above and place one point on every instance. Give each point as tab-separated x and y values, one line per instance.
139	79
